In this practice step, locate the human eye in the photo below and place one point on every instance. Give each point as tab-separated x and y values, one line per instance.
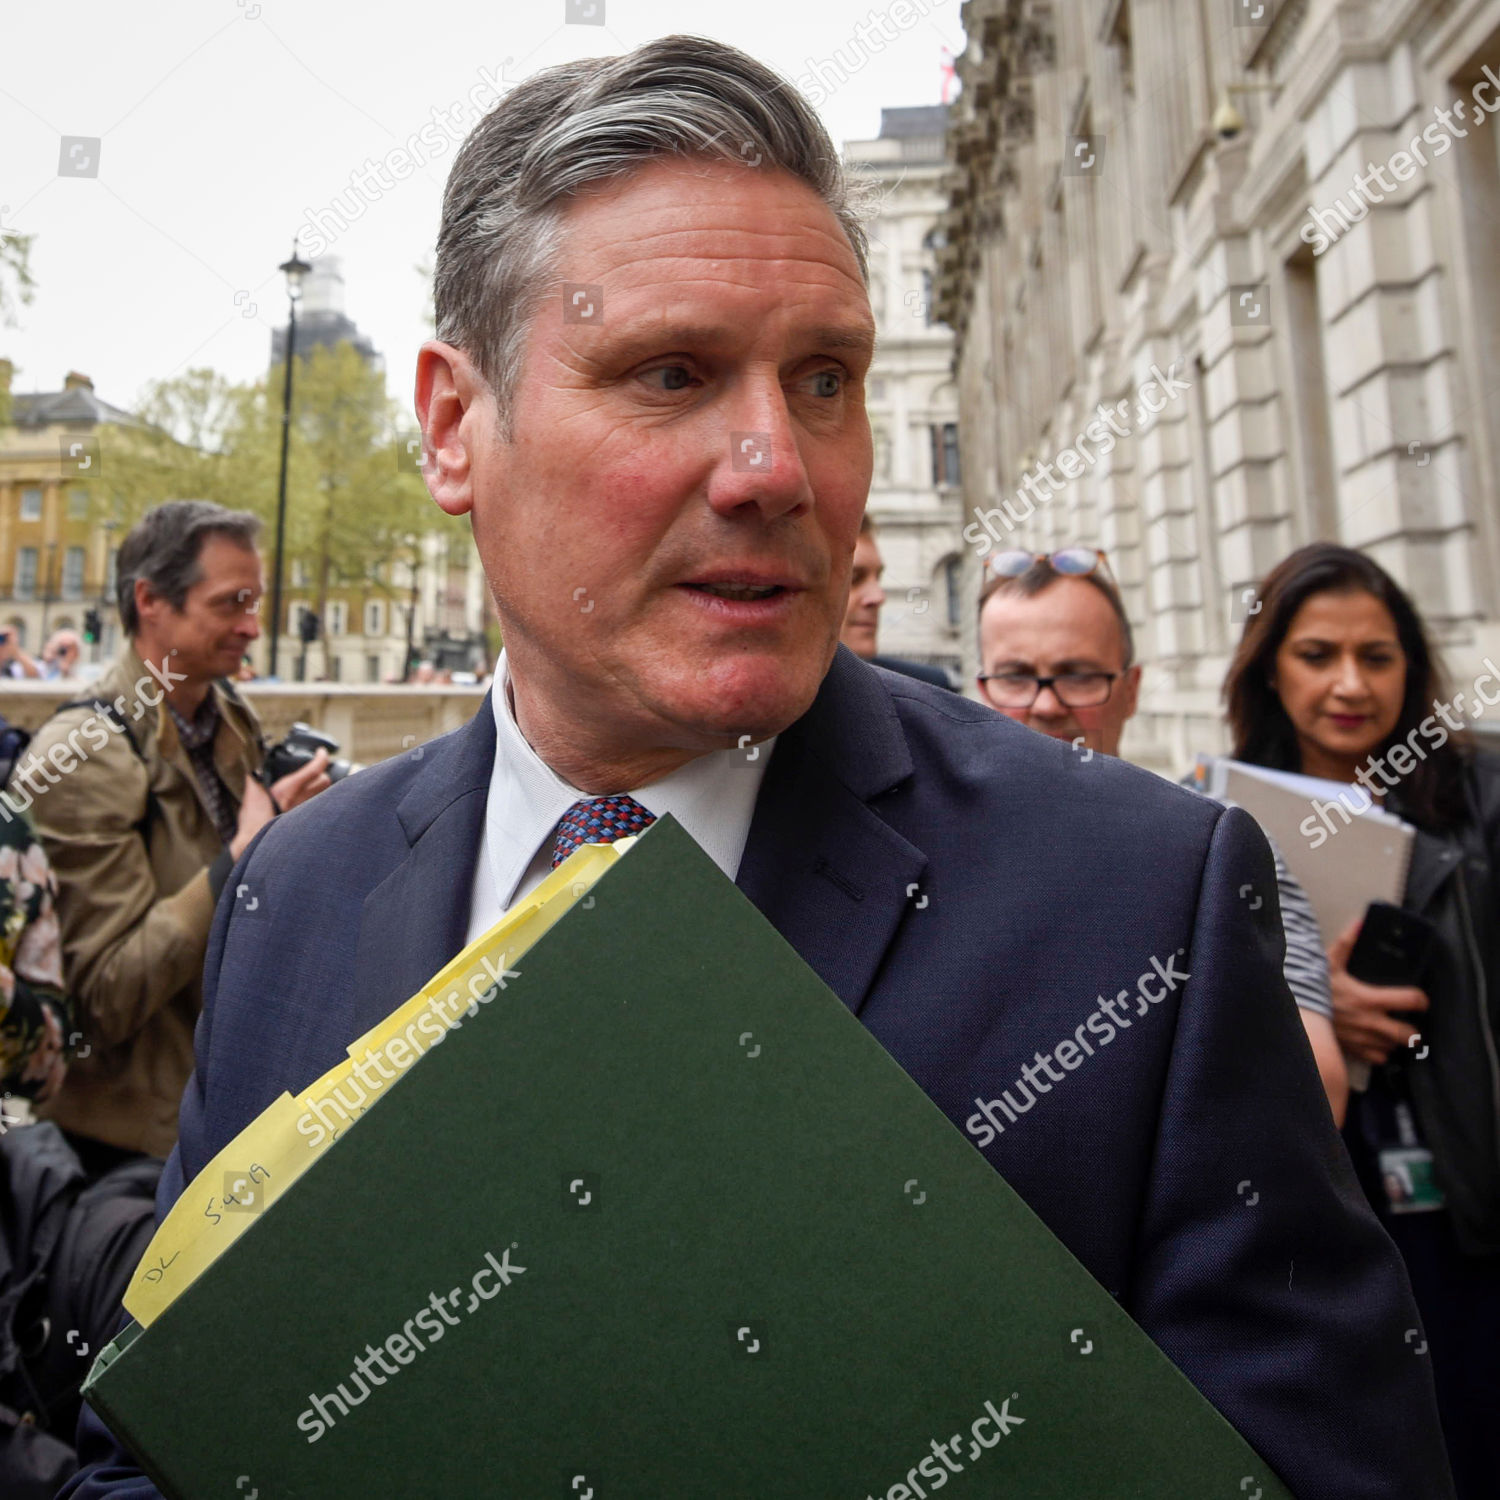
673	377
827	383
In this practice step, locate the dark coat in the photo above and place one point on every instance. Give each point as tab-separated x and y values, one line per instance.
1043	880
1454	882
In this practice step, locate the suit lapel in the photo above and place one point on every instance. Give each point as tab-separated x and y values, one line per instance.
825	869
822	866
416	919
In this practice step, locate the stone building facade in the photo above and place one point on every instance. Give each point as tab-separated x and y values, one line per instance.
1158	203
911	392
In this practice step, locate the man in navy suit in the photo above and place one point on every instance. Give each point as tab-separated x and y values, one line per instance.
648	397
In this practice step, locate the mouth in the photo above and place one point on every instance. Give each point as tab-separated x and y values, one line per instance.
743	595
739	593
1349	721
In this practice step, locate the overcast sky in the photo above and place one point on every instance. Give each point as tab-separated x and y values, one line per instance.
222	122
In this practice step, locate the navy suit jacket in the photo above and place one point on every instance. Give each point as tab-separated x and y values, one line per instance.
1189	1160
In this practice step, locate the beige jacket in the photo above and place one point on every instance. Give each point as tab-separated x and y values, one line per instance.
134	921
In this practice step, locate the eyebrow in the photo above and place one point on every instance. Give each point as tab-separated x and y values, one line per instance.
1317	640
1067	665
716	335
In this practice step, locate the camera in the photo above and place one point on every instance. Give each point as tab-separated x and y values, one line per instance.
302	742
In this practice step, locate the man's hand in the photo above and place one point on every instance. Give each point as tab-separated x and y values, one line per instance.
257	809
1361	1011
297	787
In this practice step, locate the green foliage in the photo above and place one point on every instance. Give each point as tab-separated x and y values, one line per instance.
355	513
17	287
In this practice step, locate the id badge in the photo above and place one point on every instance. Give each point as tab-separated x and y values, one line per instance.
1407	1176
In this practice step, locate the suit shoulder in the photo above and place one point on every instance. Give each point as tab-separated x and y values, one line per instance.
1004	762
366	798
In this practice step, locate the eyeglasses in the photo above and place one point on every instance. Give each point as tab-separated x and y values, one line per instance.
1072	689
1072	562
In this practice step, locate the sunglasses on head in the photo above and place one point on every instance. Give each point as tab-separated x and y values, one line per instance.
1071	562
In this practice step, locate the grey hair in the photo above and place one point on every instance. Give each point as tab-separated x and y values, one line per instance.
593	121
165	547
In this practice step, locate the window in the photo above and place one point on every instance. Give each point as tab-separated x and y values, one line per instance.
299	573
72	576
78	503
953	584
927	298
944	453
338	617
372	669
26	572
294	615
31	505
374	618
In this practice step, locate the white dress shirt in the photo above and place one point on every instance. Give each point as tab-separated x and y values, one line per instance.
713	797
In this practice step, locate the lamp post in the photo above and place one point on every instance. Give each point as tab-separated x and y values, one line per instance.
294	270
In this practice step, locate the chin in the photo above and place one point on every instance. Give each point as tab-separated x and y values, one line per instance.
758	696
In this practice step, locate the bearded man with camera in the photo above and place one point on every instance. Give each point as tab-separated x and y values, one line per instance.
145	796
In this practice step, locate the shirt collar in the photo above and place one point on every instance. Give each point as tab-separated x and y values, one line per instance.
712	796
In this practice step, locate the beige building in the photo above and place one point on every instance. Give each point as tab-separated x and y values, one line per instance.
912	396
1272	221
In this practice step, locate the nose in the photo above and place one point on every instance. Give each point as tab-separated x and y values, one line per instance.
1350	681
1048	705
760	464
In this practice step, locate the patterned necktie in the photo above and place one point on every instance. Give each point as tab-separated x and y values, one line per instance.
600	820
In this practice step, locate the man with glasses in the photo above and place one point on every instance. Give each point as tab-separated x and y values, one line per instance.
1057	655
1056	647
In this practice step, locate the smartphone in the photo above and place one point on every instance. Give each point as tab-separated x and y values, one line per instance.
1393	946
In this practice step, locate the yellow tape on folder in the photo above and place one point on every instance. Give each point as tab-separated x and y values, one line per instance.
279	1145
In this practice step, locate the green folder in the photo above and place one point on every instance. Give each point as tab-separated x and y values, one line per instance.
662	1221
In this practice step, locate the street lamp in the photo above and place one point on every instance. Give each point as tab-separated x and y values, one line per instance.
294	270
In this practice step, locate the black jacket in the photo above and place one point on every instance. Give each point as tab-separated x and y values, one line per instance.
1455	1089
67	1249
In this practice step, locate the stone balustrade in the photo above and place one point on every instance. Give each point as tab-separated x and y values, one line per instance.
370	721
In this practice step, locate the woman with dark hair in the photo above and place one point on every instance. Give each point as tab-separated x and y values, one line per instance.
1334	677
